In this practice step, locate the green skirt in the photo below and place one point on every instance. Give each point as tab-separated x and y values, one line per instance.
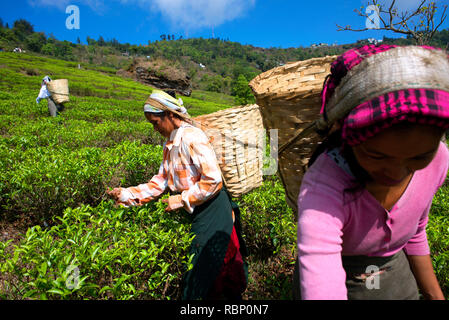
212	225
392	280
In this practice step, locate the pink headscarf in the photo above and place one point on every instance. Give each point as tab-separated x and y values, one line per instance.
425	106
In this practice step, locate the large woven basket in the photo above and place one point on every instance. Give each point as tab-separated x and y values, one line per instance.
236	139
59	90
289	100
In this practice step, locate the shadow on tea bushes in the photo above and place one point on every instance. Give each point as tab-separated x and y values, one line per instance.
99	253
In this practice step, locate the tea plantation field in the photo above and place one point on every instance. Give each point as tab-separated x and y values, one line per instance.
60	235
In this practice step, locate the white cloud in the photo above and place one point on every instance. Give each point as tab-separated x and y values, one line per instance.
185	14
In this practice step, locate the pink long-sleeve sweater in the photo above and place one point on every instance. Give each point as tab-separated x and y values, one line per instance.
331	224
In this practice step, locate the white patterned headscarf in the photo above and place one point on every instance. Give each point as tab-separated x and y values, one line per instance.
46	80
160	101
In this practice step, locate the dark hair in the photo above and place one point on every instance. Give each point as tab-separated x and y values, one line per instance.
333	140
171	93
165	114
159	114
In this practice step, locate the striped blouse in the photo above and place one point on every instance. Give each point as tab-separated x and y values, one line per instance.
189	167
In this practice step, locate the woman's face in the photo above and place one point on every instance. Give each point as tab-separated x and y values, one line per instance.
395	153
162	124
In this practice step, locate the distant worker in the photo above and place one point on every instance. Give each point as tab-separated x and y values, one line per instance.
53	108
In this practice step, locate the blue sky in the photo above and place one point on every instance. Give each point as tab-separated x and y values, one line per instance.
261	23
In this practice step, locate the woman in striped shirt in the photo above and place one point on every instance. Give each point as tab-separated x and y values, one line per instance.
191	172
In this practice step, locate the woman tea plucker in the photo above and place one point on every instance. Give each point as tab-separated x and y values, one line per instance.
191	172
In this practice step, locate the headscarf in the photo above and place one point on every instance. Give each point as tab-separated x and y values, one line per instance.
384	85
160	101
46	80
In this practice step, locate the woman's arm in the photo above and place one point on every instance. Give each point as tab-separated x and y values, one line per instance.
43	93
320	231
321	272
425	277
418	253
143	193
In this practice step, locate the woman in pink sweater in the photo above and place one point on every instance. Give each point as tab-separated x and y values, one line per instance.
364	202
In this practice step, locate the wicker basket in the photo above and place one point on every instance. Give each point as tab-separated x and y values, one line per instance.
289	100
59	90
238	145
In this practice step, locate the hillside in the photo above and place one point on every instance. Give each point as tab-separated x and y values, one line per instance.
56	216
211	64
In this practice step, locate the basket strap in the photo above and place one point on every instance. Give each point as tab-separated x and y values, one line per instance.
298	135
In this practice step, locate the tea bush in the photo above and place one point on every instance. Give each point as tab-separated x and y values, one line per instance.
99	253
267	219
55	171
438	236
45	181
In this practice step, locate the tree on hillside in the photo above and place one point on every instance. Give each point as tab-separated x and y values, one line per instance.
242	91
101	41
215	84
441	39
90	41
49	49
35	42
113	43
22	28
8	36
1	23
420	23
